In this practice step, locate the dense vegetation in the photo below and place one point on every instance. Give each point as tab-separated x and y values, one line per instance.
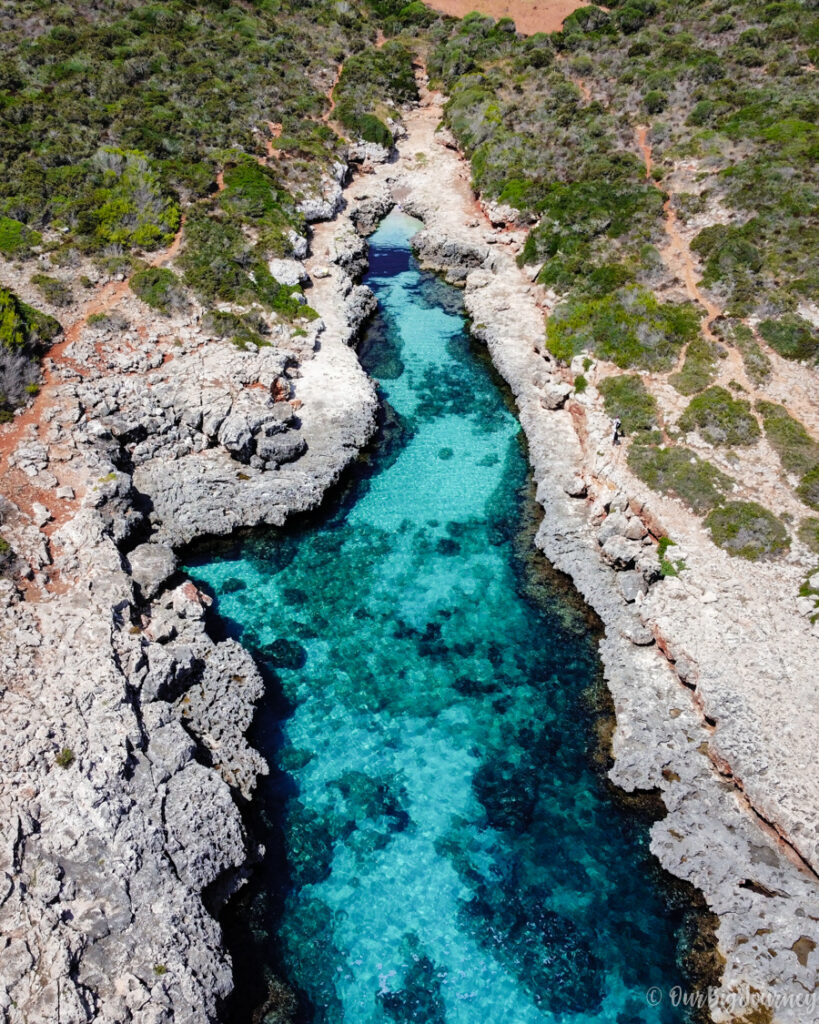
24	334
116	116
550	124
371	83
727	81
720	418
626	398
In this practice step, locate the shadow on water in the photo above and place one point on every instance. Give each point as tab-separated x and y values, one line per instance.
503	879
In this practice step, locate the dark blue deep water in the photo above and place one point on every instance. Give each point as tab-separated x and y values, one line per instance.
439	847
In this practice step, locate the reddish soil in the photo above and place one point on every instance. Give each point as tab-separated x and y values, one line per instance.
678	254
530	16
331	94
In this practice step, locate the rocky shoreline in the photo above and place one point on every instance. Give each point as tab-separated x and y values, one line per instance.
123	741
124	722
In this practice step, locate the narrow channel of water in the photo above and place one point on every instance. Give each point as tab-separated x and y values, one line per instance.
439	848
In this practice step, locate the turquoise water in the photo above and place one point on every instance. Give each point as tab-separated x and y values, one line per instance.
439	848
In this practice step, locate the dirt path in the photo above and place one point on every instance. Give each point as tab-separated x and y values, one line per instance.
678	254
530	16
331	94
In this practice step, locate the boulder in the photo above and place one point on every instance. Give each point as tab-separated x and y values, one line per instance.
151	564
619	552
635	529
288	272
576	487
632	585
554	396
281	448
614	525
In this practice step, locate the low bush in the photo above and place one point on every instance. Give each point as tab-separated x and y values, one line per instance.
808	533
65	758
680	473
792	337
746	529
625	397
808	489
54	291
797	450
699	368
22	327
159	288
16	239
629	327
721	419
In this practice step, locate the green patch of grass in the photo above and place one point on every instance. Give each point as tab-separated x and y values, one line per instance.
65	758
626	398
797	450
746	529
720	418
699	368
792	337
630	327
157	287
680	473
669	566
580	384
54	291
16	239
808	489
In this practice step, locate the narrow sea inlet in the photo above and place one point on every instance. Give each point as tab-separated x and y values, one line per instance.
439	848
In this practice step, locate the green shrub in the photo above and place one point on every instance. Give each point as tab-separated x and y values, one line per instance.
808	533
808	489
680	473
22	326
65	758
158	288
655	101
746	529
699	368
797	450
54	291
626	398
16	239
630	327
580	384
368	79
792	337
757	363
721	419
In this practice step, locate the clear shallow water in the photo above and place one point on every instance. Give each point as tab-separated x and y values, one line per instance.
439	849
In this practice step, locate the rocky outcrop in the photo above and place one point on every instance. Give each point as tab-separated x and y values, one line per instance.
329	199
453	257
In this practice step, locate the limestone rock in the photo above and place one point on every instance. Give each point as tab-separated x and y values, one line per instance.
288	272
554	396
151	564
